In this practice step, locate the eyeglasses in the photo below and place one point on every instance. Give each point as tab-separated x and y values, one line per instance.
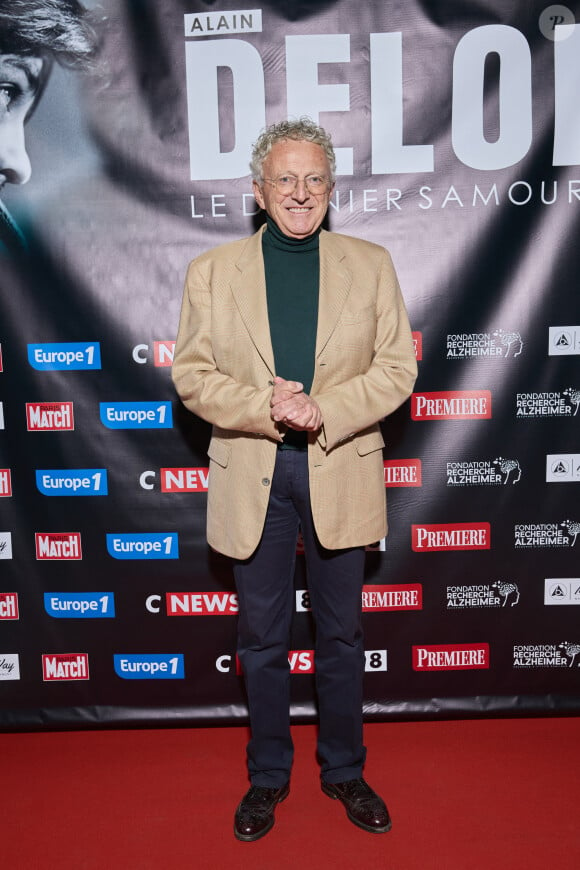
287	184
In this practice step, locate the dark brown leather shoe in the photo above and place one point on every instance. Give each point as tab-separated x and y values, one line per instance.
255	813
363	805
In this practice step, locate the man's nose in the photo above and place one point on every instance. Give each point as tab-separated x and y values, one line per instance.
14	160
301	192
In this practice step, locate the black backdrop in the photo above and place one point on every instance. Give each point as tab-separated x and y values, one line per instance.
458	129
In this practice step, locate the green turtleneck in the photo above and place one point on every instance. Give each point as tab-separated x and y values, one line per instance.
292	277
292	269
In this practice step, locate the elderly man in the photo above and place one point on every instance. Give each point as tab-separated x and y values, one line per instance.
32	34
294	343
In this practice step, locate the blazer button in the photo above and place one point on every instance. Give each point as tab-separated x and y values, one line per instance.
266	481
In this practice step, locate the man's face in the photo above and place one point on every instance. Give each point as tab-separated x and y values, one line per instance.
20	78
300	213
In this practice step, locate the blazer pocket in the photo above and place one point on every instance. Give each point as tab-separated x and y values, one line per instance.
219	452
368	442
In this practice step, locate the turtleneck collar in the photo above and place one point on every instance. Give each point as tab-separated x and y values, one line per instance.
277	239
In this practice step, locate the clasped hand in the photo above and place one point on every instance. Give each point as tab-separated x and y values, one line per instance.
293	407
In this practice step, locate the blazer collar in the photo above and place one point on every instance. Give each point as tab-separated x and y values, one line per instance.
249	291
335	284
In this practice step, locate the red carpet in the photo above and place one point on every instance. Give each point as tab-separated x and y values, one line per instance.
466	795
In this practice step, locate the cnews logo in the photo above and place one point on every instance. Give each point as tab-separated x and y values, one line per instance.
79	605
177	479
9	605
162	353
5	482
452	405
150	667
136	415
450	536
451	657
58	545
67	666
49	416
75	481
402	472
146	545
63	357
201	603
301	661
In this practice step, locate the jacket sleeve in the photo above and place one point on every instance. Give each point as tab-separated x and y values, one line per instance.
213	395
362	400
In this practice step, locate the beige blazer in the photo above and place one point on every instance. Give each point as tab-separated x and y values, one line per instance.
364	369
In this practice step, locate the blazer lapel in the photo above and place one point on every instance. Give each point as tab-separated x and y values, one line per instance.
335	284
249	292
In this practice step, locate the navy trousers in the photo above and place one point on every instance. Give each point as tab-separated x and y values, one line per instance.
266	599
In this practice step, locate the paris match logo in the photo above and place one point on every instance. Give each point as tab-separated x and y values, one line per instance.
58	545
9	605
450	536
451	657
452	405
65	666
5	483
49	416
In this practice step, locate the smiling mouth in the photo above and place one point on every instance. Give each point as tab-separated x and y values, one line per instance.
299	210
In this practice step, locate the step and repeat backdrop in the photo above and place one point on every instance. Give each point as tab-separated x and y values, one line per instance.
457	130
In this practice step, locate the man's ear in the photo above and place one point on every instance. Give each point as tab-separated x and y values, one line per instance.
257	190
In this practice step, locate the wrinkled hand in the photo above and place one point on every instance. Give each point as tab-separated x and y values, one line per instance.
293	407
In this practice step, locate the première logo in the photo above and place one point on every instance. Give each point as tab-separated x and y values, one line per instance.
402	472
418	345
439	537
58	545
451	657
65	666
392	596
49	416
452	405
